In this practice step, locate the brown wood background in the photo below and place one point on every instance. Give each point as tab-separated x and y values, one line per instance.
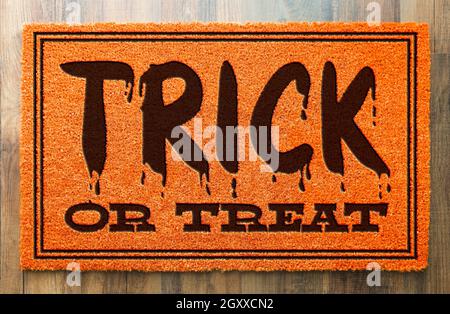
14	13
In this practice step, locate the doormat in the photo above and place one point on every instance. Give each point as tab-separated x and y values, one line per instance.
193	147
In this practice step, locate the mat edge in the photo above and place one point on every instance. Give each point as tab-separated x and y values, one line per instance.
28	263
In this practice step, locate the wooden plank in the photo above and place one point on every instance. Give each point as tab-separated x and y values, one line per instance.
441	26
206	282
263	282
437	277
408	10
357	10
419	11
228	10
36	11
171	283
11	279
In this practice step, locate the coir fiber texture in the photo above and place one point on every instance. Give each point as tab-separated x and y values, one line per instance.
192	147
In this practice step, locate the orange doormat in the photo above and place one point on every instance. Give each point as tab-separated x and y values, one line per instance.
219	146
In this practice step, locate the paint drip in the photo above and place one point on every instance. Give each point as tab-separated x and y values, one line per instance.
233	187
142	178
303	115
380	188
305	172
94	184
301	184
308	172
374	115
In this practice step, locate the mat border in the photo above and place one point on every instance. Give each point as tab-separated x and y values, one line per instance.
407	40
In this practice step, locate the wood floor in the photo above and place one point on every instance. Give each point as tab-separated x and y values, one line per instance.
14	13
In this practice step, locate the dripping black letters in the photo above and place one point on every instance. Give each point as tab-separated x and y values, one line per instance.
159	120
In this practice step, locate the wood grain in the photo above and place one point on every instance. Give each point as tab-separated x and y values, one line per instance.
13	13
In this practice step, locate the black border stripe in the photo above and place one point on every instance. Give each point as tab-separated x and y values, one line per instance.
228	33
225	39
41	132
34	146
225	250
415	145
257	257
408	139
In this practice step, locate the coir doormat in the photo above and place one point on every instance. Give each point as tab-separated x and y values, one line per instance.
219	146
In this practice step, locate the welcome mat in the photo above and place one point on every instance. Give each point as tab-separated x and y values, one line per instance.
217	146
